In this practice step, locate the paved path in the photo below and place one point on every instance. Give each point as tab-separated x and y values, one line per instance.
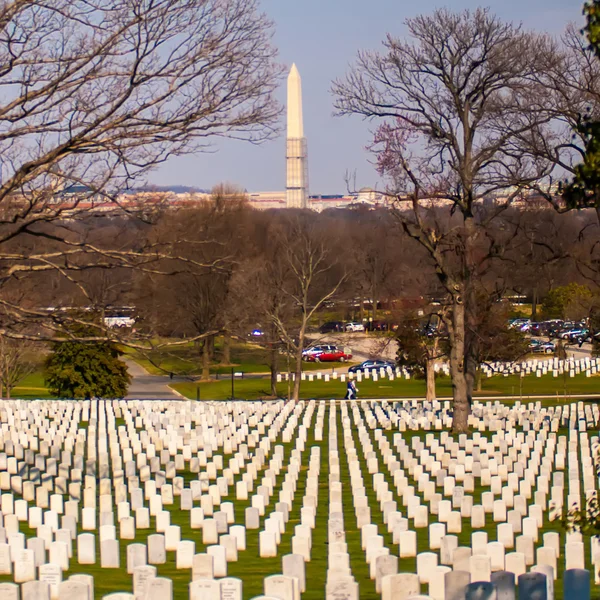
145	386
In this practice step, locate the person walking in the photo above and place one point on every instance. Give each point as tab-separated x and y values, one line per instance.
351	390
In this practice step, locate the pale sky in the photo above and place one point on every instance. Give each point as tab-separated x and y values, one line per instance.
322	38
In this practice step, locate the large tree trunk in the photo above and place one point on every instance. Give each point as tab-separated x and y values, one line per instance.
206	360
430	379
226	355
298	369
374	300
472	347
471	365
274	368
460	398
297	376
361	309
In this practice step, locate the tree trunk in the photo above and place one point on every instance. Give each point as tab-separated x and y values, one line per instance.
374	300
460	398
471	366
8	389
470	325
206	360
534	303
297	376
361	309
298	369
479	380
274	367
226	354
430	378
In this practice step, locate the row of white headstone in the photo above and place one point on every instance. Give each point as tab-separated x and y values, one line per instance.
127	473
453	463
557	367
150	452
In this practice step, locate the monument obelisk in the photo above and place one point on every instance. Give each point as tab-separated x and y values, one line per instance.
297	159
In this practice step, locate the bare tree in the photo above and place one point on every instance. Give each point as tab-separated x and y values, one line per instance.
420	346
258	294
16	362
571	83
306	270
455	102
94	96
195	302
375	253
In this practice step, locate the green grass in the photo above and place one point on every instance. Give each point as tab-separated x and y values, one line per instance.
358	564
32	386
186	360
252	389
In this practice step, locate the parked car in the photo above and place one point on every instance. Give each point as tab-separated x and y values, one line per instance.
331	327
545	327
368	365
537	329
379	326
520	324
326	353
577	334
354	326
573	334
541	347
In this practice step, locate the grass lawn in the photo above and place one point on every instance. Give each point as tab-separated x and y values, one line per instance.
32	386
357	562
252	569
252	389
186	360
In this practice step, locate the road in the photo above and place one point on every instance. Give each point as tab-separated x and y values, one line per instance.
145	386
576	352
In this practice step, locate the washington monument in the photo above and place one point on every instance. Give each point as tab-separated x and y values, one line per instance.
297	159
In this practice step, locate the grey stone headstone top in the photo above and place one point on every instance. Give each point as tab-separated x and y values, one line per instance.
481	590
577	584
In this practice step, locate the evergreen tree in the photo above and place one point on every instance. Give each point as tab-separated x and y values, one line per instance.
86	370
572	301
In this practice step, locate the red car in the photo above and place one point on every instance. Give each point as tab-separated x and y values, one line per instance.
326	353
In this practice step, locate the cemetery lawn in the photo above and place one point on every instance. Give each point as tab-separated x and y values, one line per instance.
31	387
186	360
252	569
253	389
